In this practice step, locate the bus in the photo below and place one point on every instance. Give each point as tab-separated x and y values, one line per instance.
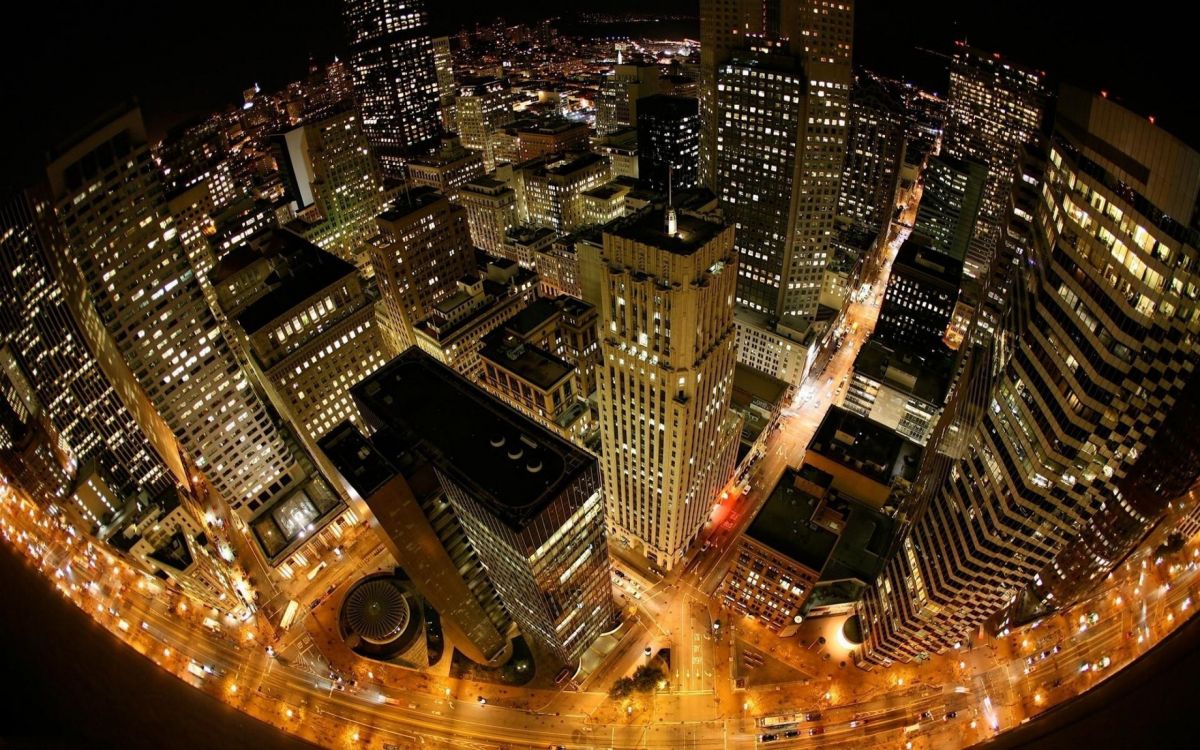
782	720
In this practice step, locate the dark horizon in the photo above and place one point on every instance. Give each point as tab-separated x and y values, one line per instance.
114	58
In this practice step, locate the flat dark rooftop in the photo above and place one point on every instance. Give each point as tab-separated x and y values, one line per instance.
409	201
863	545
364	467
532	316
785	524
510	464
916	256
306	270
649	227
870	449
531	363
926	376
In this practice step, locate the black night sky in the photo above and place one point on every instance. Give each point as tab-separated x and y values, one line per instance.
69	61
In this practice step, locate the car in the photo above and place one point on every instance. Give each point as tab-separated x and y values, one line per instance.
812	716
951	715
926	715
768	737
620	574
816	731
792	733
648	650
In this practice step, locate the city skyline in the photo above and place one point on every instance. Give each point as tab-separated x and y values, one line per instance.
659	377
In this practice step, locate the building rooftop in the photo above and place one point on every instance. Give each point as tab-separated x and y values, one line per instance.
916	255
362	465
925	376
304	269
510	464
530	363
875	451
649	227
531	318
862	548
785	524
410	201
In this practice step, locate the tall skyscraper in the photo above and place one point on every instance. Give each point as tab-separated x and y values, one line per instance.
995	106
949	208
483	108
422	250
1054	409
530	502
874	153
781	120
443	65
395	79
668	142
47	341
108	200
665	286
329	171
617	102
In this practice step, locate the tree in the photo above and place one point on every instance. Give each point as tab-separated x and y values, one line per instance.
647	677
622	688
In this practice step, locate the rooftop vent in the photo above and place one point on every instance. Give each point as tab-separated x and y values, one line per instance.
516	453
533	467
498	441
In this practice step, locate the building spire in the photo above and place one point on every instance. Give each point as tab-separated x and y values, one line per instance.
672	220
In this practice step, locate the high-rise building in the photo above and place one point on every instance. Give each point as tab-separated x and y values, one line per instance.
665	284
307	326
422	533
779	168
919	300
47	341
949	208
1054	409
443	66
669	142
483	108
329	171
491	211
537	139
724	27
422	250
109	203
395	78
995	106
530	502
448	169
874	153
549	188
617	102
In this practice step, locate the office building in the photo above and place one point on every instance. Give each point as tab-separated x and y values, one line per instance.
538	139
443	67
483	108
530	502
919	299
949	208
901	389
491	207
423	248
329	171
874	153
454	331
665	284
522	244
550	188
617	102
395	78
448	169
867	461
102	185
420	530
621	149
1064	397
781	147
46	341
309	328
668	142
